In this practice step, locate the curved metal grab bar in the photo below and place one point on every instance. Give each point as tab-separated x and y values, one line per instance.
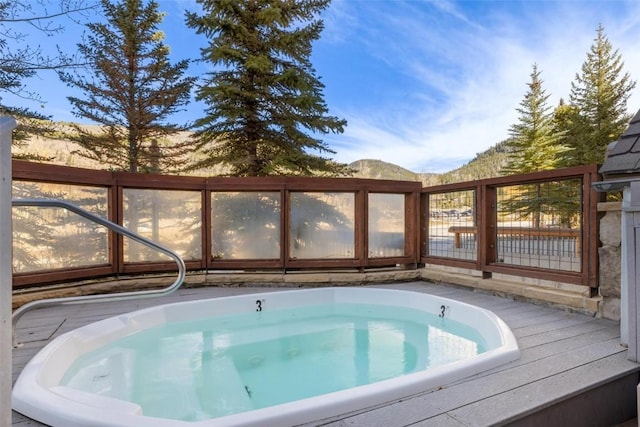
18	313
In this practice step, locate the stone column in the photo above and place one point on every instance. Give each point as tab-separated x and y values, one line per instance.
609	255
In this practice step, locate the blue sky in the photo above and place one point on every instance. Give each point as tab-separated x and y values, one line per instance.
424	84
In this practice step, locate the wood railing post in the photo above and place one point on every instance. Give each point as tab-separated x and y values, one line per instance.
487	229
424	225
361	231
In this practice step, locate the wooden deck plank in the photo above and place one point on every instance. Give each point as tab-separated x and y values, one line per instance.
518	311
445	420
568	342
551	348
18	420
528	325
550	323
478	390
511	404
42	332
559	334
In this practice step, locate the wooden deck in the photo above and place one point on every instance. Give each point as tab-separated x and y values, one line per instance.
572	370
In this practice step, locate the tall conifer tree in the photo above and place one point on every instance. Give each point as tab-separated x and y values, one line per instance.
598	99
265	109
131	91
534	144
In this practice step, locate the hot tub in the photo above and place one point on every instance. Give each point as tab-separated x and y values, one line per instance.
281	358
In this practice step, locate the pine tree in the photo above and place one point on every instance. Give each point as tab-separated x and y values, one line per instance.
265	106
568	122
598	97
131	91
534	144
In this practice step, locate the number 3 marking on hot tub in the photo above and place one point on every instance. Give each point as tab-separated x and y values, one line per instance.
442	309
259	305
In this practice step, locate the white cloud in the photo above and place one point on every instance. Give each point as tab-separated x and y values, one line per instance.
470	73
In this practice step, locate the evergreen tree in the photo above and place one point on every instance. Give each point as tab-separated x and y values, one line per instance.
598	99
568	122
534	144
265	106
131	90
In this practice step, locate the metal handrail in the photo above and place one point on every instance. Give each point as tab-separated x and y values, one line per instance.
18	313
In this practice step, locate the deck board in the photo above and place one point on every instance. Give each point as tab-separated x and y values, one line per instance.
495	395
514	402
562	353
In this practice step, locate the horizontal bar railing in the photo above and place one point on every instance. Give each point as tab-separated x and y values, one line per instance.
54	203
542	225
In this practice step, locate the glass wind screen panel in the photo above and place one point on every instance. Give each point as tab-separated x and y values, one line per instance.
245	225
452	225
540	225
321	225
169	217
386	225
47	238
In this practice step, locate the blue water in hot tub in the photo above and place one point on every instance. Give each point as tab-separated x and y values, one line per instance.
228	364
